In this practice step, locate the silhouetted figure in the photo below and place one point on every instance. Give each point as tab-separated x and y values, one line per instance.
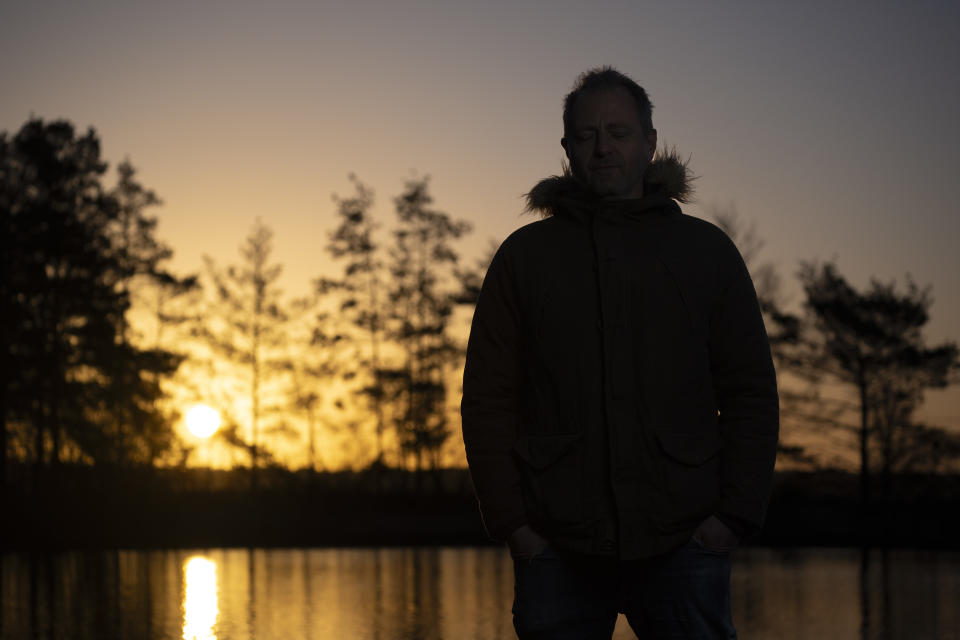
620	407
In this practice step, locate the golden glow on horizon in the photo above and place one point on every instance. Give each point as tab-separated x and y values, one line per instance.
202	420
200	608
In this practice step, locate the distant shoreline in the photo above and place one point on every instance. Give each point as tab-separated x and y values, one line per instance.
81	508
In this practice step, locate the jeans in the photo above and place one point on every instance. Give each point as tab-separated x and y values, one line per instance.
682	594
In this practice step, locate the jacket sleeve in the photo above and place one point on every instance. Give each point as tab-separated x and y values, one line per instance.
745	388
491	405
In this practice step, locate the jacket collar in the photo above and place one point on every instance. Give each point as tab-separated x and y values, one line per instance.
666	180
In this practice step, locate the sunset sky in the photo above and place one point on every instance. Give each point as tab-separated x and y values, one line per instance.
835	129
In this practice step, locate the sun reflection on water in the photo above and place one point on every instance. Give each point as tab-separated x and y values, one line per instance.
200	599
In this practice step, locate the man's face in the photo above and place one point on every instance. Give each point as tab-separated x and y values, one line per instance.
607	148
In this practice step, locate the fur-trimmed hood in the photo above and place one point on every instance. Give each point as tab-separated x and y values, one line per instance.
667	176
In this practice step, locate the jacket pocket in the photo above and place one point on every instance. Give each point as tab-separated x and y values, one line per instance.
552	476
691	469
691	449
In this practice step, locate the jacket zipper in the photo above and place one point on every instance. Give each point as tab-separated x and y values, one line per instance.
608	431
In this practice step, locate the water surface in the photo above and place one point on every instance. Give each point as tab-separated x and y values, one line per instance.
438	593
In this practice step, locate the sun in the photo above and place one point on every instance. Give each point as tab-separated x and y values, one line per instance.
202	420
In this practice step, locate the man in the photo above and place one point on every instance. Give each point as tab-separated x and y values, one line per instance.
620	407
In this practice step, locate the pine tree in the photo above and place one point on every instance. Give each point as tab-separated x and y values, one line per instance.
63	305
246	327
422	260
363	294
783	332
132	391
873	342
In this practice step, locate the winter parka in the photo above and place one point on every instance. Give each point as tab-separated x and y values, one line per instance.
619	386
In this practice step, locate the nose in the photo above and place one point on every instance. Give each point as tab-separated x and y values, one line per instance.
602	146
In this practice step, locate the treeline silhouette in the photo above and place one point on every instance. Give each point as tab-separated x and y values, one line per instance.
369	361
78	386
93	506
74	385
869	344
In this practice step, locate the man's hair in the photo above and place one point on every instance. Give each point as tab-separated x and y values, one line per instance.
607	77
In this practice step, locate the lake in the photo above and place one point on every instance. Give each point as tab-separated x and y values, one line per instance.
433	593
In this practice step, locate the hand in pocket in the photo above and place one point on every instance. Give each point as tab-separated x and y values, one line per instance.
712	534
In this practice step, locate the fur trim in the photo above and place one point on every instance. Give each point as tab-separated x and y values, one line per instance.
667	171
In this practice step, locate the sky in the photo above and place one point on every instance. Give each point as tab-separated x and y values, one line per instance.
831	126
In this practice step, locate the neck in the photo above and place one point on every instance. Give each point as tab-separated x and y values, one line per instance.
636	194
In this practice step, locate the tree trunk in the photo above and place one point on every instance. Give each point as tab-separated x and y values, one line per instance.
255	417
3	444
375	358
864	440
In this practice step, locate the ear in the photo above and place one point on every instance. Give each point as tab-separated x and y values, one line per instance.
566	148
651	144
